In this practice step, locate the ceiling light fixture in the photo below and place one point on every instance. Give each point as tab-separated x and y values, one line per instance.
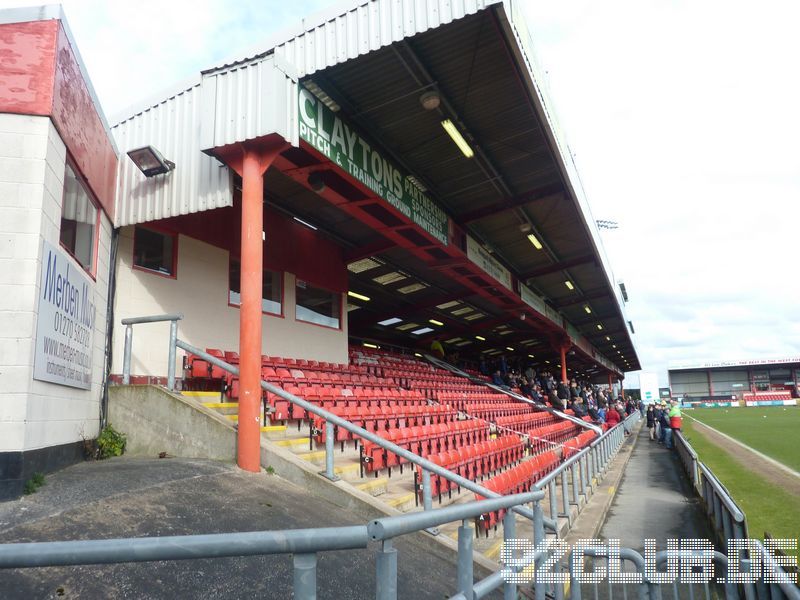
430	100
358	296
588	309
150	161
459	140
509	348
435	322
422	330
392	321
306	223
599	327
569	285
480	337
368	345
535	241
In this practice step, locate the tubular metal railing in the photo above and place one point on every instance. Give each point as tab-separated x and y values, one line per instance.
303	544
728	519
173	337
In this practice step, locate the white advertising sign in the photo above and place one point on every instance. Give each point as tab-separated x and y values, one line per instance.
65	322
477	254
648	385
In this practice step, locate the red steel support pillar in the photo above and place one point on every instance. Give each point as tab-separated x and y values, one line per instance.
564	364
610	382
251	160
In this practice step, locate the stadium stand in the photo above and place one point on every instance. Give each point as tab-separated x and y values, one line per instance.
467	428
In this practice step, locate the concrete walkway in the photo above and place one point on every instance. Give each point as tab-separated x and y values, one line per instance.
129	497
654	500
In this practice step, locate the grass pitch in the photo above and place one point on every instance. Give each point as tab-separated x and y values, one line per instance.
772	430
769	507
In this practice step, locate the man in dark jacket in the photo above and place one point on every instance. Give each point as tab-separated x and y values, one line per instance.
665	428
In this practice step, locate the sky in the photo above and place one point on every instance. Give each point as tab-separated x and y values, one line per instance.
682	117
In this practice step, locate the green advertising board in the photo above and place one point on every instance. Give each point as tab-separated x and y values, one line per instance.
338	141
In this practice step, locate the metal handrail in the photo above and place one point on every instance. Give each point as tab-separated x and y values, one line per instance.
248	543
722	492
173	319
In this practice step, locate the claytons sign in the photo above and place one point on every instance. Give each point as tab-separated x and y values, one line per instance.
339	141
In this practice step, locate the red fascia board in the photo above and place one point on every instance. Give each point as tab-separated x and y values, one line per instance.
40	75
27	67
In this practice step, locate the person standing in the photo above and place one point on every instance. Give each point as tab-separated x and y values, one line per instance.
665	428
651	421
675	416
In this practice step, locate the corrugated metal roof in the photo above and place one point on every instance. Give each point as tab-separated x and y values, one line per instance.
248	101
350	29
199	182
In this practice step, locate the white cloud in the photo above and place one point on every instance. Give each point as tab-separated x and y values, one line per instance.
683	119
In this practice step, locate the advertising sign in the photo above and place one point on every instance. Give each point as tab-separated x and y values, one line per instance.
65	322
538	304
478	254
337	140
648	383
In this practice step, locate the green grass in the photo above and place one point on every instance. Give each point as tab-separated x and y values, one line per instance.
767	506
772	430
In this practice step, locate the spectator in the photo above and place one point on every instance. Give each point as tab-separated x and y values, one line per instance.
641	409
437	349
651	421
665	427
612	416
675	416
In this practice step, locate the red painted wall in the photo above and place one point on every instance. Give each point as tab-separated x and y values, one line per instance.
289	245
77	120
39	75
27	67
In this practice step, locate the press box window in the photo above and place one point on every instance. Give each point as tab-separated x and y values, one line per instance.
271	286
154	251
78	220
316	305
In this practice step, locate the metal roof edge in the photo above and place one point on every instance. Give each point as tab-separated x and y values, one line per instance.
155	99
511	15
726	364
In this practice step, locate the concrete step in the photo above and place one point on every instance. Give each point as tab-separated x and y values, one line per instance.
375	487
296	442
207	395
221	405
402	502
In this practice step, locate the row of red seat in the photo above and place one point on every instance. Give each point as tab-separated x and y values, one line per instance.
576	444
517	480
773	395
491	412
322	377
554	433
464	400
341	397
526	422
473	462
423	441
381	420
